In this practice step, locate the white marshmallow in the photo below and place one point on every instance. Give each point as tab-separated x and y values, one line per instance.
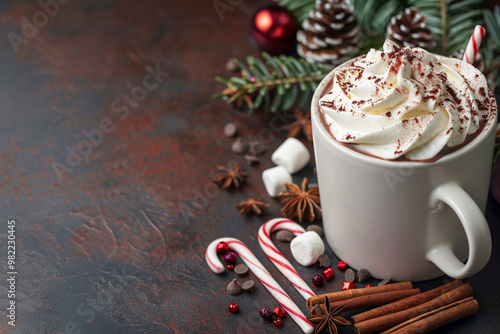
292	154
274	180
307	248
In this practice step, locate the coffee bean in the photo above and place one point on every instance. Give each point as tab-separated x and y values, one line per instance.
324	261
257	148
239	146
384	281
316	228
350	275
363	275
234	288
248	285
230	129
284	236
241	269
251	159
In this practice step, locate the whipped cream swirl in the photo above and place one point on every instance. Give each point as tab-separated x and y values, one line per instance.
405	102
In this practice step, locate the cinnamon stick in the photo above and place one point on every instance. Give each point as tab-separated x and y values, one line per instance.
390	320
434	319
347	294
376	299
406	303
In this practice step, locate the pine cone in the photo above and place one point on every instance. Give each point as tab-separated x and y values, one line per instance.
408	28
330	36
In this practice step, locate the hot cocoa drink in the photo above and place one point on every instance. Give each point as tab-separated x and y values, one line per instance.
406	104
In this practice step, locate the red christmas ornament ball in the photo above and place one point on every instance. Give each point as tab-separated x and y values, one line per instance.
230	267
273	29
279	312
278	322
232	307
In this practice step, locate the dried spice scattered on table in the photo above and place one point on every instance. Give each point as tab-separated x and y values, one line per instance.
302	125
254	205
329	320
230	177
300	203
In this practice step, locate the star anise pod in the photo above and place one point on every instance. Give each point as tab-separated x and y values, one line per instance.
300	203
254	205
230	176
331	319
302	125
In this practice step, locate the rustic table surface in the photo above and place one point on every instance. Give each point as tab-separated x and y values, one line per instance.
108	141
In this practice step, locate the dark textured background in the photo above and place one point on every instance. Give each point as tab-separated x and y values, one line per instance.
117	245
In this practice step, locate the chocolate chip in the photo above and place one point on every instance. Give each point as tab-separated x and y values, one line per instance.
248	285
324	261
230	129
241	269
384	281
350	275
363	275
284	236
239	146
234	288
316	228
257	148
251	159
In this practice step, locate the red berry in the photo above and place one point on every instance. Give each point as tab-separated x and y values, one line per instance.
318	280
348	286
341	265
368	286
278	322
279	312
328	272
233	307
230	257
222	247
266	313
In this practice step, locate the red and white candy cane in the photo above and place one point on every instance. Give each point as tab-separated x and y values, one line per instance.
474	43
277	258
262	275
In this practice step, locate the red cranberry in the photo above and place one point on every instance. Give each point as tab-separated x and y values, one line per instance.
318	280
266	313
230	257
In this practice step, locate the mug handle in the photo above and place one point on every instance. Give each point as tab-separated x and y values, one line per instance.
476	229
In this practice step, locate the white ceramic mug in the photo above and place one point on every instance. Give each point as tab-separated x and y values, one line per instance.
405	220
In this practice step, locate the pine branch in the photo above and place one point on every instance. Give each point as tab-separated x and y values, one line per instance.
283	83
450	21
299	8
491	51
